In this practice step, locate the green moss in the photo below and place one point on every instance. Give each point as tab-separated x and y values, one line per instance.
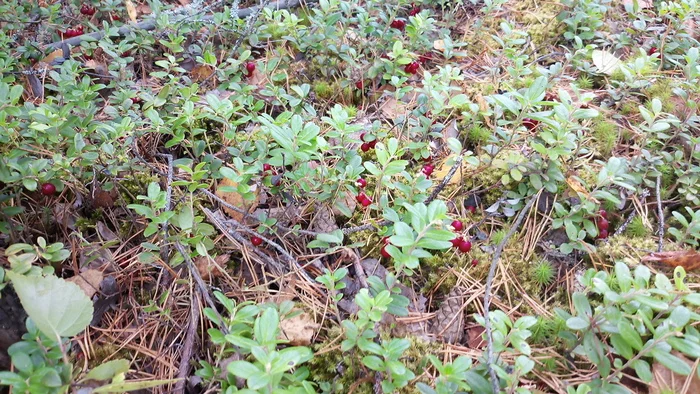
478	134
637	229
662	90
584	81
324	90
629	107
543	273
351	110
605	135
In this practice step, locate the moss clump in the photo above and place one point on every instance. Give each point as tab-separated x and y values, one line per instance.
324	90
625	248
351	110
543	273
629	107
637	229
584	81
605	135
478	134
662	90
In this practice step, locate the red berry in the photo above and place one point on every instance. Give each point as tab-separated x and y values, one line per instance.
427	170
475	262
362	136
360	85
398	24
267	167
530	124
652	51
457	225
79	30
69	33
457	241
426	57
428	159
361	183
48	189
250	67
256	241
603	213
365	147
414	11
115	17
386	241
602	234
465	246
88	10
366	202
412	68
372	143
361	197
471	209
385	253
602	224
137	100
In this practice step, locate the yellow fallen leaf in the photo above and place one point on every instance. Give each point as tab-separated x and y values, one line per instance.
445	166
130	9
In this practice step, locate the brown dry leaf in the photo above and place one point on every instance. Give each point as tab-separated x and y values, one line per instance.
348	199
688	259
88	281
444	167
449	318
392	109
130	9
207	270
475	338
298	330
201	72
51	56
667	381
65	215
450	131
324	222
236	199
105	233
576	186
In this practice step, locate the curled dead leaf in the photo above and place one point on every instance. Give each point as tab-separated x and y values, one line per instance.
299	330
236	199
211	268
688	259
88	281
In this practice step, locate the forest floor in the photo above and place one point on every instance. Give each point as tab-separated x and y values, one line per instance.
398	168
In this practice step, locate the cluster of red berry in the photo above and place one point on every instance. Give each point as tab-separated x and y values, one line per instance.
415	10
88	10
412	68
367	145
398	24
78	31
602	223
459	242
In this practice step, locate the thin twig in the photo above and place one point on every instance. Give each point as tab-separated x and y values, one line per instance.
151	24
632	215
660	210
487	292
200	284
445	180
165	250
188	345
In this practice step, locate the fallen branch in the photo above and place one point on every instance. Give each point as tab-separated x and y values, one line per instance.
151	24
188	346
487	293
660	210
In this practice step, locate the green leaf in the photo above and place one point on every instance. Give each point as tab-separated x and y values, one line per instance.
242	369
108	370
583	307
630	335
643	370
686	346
266	326
670	361
373	362
577	323
57	307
